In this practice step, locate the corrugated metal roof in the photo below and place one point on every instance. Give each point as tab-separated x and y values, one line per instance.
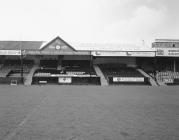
18	45
109	47
36	45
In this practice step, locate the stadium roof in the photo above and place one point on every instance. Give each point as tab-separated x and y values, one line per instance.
20	45
38	45
109	47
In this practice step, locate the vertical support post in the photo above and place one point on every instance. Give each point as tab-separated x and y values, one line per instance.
60	59
91	57
58	62
21	58
155	68
155	61
174	65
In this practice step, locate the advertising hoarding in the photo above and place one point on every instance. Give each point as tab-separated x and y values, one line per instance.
128	79
65	80
108	53
141	54
124	53
10	52
170	52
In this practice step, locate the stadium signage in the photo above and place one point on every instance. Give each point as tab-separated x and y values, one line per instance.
168	79
108	53
65	80
172	52
128	79
125	53
10	52
55	52
141	54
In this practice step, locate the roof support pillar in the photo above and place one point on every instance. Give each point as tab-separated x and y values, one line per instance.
174	65
21	58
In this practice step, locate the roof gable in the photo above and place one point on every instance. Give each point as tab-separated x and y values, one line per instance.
57	44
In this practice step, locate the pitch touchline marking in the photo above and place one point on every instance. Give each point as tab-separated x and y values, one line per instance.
14	132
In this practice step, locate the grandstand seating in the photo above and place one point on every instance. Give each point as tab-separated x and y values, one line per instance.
78	67
12	68
165	71
65	71
4	71
164	65
122	71
47	72
79	71
167	77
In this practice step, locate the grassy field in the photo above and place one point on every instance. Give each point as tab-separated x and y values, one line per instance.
89	113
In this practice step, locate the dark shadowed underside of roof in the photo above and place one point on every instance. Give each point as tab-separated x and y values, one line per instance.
20	45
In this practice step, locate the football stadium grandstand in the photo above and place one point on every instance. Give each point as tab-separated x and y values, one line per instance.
58	62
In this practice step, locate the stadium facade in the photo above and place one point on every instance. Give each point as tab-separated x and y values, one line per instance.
59	62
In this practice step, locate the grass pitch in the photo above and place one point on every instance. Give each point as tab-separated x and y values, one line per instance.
89	113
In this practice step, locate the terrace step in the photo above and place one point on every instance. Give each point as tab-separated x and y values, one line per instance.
103	80
151	80
28	80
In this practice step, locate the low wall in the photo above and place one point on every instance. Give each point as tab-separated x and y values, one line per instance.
8	80
74	80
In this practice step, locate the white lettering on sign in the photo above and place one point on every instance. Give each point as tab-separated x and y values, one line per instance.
64	80
167	52
141	54
168	80
10	52
128	79
125	53
108	53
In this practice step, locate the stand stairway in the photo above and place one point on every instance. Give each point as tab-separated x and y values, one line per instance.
28	80
103	80
151	80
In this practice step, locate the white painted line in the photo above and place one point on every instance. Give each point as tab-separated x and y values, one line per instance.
19	126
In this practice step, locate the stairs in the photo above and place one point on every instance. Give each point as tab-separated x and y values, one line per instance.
161	83
103	80
151	80
28	80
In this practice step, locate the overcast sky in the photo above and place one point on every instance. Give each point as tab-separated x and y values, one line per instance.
100	21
